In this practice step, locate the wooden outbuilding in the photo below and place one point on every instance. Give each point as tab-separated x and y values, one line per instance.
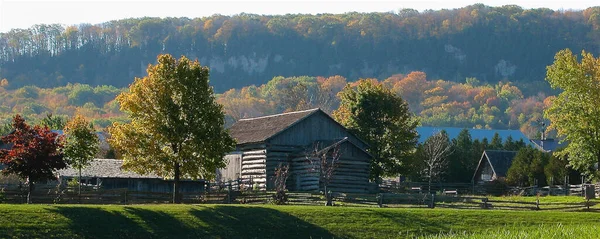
264	143
108	174
494	164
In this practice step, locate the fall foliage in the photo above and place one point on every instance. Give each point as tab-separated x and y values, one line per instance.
34	154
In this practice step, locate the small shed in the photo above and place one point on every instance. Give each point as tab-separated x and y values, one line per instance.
265	142
494	164
108	174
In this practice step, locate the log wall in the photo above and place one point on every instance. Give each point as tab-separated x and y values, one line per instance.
253	167
350	176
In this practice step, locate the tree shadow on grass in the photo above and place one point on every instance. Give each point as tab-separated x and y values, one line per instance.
416	224
160	224
255	222
90	222
193	222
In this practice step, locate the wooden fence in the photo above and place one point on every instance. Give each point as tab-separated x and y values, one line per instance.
483	189
416	200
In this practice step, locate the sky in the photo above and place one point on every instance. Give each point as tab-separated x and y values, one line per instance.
25	13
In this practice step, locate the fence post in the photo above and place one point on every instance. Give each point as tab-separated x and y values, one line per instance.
380	200
567	187
432	202
587	203
229	192
537	204
485	200
125	196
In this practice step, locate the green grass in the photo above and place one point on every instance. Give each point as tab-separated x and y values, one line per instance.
221	221
544	231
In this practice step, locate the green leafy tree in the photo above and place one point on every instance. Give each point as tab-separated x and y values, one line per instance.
80	145
575	113
54	122
176	127
556	170
383	120
5	129
527	167
463	160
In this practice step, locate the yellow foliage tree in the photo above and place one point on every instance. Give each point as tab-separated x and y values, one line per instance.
176	127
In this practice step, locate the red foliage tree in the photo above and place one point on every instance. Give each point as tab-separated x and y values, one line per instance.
34	155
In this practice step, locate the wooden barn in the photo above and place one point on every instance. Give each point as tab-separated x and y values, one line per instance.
494	164
107	174
264	143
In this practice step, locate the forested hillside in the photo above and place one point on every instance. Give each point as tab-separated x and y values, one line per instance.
434	102
488	43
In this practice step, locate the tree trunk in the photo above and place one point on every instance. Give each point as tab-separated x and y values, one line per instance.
29	190
176	198
429	185
328	199
598	169
79	186
79	182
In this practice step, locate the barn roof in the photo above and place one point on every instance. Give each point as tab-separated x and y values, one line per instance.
548	145
480	134
259	129
104	168
499	160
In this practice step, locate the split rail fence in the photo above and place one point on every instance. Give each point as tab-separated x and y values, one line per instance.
407	200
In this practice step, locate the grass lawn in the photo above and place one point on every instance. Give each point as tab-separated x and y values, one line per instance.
236	221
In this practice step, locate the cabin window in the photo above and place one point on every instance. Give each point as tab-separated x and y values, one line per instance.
487	173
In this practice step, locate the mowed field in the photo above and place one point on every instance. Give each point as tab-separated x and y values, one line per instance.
240	221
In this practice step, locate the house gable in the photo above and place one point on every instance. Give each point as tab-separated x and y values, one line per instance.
494	162
314	127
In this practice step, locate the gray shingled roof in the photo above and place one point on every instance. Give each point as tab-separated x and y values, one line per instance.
104	168
548	145
500	160
254	130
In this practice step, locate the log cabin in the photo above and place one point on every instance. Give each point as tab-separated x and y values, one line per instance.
264	143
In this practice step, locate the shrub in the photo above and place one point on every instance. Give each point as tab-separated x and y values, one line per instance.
281	175
497	187
2	197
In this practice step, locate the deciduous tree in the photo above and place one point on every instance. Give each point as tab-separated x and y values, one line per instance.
176	127
81	144
383	120
324	162
575	113
436	150
35	153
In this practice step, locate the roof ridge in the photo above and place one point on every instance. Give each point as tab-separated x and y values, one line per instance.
500	150
449	127
275	115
